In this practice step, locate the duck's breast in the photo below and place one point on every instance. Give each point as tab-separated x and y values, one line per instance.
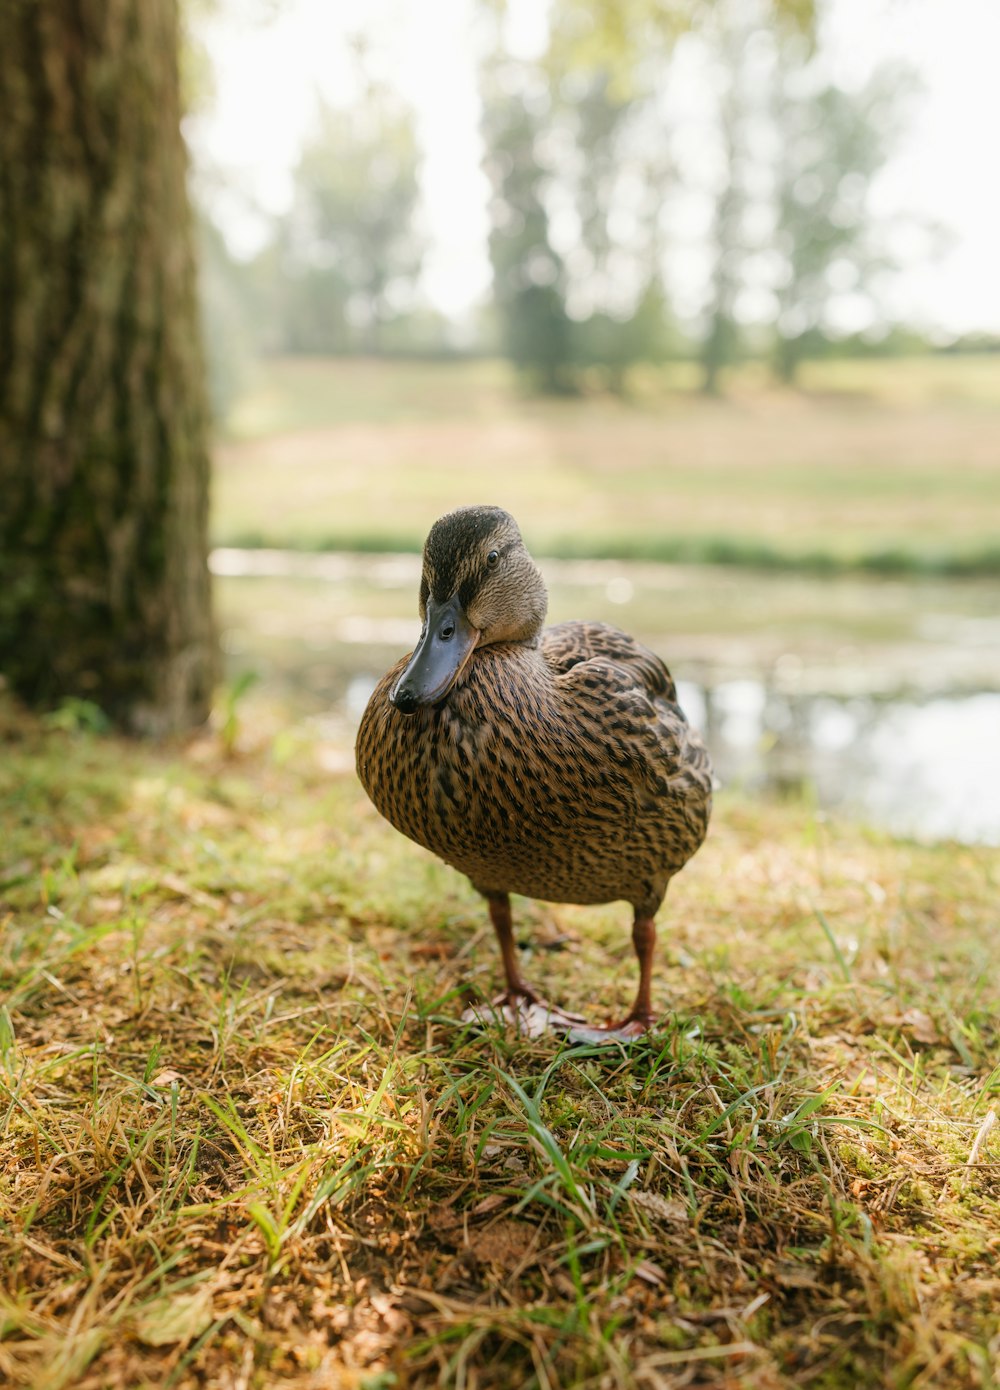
570	787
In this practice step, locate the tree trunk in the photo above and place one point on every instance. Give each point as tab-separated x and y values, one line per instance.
722	338
787	357
104	586
719	346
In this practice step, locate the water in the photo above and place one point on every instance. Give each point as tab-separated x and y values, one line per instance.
923	767
878	698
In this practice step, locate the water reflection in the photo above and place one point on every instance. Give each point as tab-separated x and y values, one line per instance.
877	698
928	768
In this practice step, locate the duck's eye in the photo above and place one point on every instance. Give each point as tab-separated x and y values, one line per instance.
492	558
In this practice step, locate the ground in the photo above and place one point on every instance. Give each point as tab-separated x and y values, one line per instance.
247	1143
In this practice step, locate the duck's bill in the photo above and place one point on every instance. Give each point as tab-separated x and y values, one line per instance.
447	642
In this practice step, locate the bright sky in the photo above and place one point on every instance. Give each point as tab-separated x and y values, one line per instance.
271	63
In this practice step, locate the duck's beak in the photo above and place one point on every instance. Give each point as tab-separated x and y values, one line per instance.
446	643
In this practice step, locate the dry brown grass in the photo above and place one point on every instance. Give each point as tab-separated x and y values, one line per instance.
245	1143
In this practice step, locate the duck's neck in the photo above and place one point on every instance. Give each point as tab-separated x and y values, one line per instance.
521	624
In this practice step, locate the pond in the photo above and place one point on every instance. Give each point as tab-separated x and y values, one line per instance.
879	698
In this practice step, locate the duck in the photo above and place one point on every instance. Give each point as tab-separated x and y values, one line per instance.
552	763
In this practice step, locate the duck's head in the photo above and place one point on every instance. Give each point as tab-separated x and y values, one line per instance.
479	585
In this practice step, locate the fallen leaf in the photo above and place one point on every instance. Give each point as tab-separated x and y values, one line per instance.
650	1272
178	1318
921	1027
791	1275
488	1204
175	884
166	1077
666	1208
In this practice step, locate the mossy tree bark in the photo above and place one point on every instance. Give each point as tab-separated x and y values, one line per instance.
104	586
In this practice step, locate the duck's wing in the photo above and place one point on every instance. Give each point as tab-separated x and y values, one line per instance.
625	707
568	644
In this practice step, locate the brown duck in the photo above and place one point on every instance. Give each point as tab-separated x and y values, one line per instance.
553	763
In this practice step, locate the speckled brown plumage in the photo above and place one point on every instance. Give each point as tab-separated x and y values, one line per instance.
558	764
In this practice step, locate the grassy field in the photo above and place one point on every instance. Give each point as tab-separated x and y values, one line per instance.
246	1143
887	465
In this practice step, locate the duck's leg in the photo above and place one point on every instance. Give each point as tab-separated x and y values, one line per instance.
519	1003
640	1017
517	986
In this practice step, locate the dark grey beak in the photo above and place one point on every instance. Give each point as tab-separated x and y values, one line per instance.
446	643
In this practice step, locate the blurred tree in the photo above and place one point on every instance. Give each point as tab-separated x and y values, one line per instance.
728	243
626	45
832	144
739	40
610	193
612	345
227	316
529	282
575	238
104	586
622	38
310	303
797	157
580	166
348	248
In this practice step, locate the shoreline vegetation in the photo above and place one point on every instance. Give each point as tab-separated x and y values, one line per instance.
886	467
668	550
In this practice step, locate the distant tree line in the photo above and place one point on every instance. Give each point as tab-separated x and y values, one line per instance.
587	176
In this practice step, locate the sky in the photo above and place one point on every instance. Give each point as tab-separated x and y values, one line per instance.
272	62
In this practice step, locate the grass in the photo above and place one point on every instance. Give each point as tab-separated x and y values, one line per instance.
882	466
246	1142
